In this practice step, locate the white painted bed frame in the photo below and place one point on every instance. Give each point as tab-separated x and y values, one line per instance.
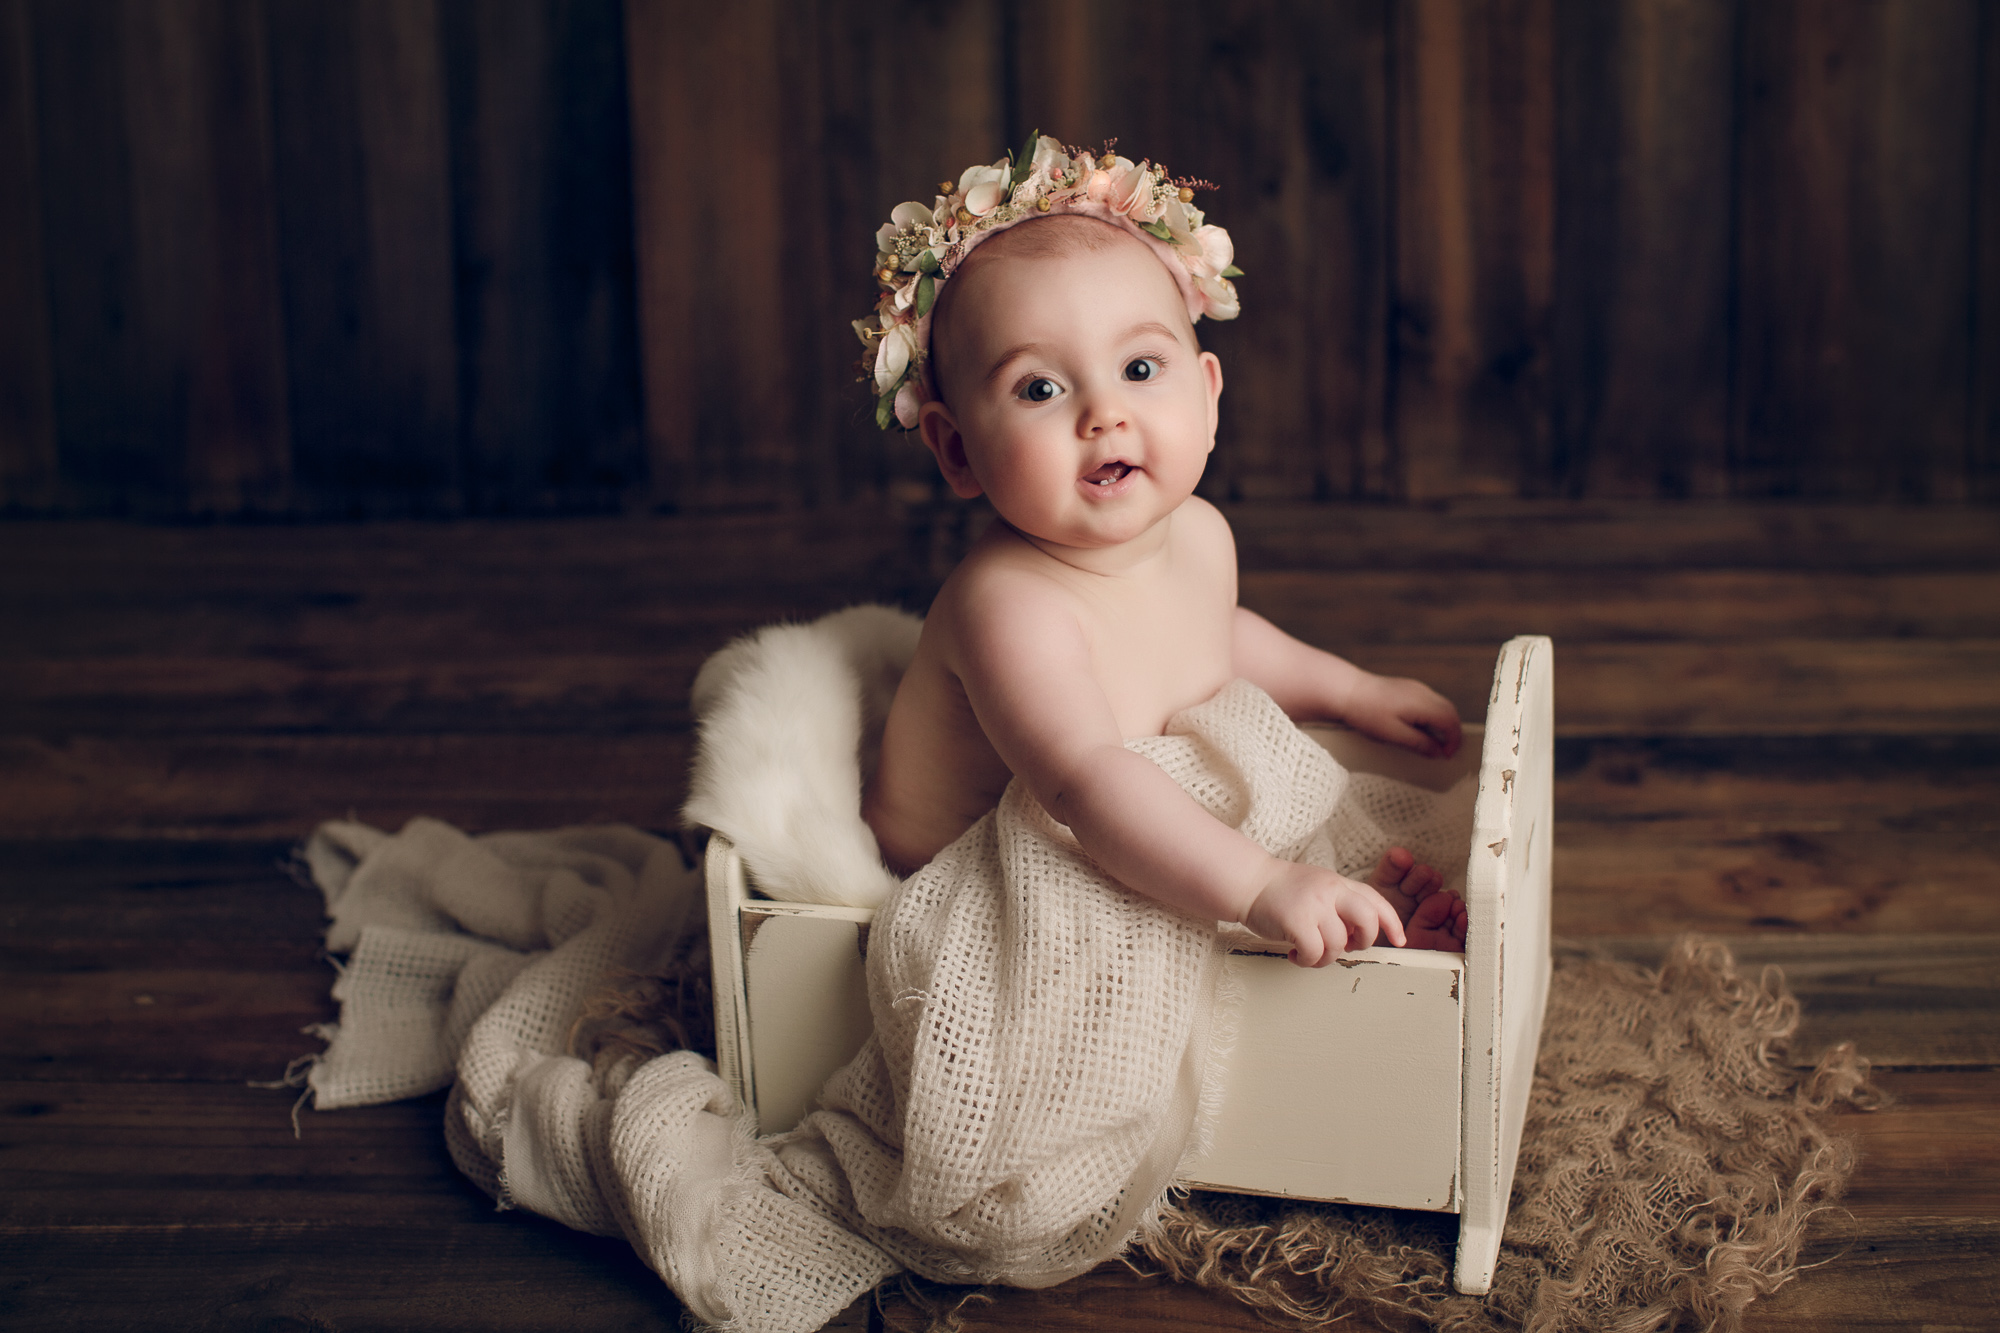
1398	1078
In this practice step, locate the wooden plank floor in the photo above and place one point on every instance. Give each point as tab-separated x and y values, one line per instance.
1779	725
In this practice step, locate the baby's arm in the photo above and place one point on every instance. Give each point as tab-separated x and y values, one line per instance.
1026	669
1311	684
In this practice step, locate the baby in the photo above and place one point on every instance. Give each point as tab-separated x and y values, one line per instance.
1037	329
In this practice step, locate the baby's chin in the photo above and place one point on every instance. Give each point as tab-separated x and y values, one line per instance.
1094	532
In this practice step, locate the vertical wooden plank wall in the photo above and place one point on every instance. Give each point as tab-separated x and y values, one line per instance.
1983	430
27	411
356	257
770	141
364	190
1475	234
1856	261
1642	332
542	211
331	257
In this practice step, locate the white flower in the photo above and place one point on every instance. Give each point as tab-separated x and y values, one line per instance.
1175	216
983	188
892	357
910	214
1218	297
885	237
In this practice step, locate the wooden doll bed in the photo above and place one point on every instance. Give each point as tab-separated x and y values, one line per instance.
1396	1078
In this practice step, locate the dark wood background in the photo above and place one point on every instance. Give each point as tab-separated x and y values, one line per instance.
333	258
1615	320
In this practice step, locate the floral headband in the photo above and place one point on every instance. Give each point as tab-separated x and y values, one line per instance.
919	248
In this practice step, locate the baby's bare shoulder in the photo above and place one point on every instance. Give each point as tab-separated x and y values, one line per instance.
1206	531
999	589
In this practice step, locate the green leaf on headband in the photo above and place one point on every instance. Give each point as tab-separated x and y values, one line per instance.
927	262
1023	160
926	293
885	408
1158	229
1232	272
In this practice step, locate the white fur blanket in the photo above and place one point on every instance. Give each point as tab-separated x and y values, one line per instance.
1042	1040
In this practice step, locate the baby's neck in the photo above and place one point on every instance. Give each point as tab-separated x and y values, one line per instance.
1121	560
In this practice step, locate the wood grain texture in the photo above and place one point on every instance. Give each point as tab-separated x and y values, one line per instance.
1854	249
1351	607
1772	687
1782	687
446	256
542	222
871	544
1475	257
159	237
27	408
1662	877
1983	443
197	113
363	180
277	786
1918	1001
117	451
1641	344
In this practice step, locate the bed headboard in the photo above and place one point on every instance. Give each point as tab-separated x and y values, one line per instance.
1507	943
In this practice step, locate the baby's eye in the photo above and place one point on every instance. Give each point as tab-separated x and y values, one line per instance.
1040	389
1142	368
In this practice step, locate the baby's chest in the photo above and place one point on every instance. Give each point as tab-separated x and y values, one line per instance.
1155	658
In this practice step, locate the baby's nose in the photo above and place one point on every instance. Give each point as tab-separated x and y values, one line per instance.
1103	410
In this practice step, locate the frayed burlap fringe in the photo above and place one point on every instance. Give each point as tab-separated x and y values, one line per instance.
633	1017
1669	1169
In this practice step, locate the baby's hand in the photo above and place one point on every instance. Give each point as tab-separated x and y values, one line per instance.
1404	712
1320	914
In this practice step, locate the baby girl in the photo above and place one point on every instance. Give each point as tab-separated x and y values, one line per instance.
1037	329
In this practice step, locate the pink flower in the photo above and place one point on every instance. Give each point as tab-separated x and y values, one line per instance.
1104	180
1132	190
1218	252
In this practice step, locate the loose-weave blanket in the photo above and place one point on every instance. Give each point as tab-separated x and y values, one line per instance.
1043	1038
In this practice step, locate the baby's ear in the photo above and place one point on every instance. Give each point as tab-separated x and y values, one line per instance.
939	429
1211	369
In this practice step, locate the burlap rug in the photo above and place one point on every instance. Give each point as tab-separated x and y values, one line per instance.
1670	1167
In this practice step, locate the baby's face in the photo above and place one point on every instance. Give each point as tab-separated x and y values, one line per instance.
1080	403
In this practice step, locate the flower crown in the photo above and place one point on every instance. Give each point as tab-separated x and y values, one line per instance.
919	248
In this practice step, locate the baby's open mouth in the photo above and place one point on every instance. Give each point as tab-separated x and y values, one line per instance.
1107	474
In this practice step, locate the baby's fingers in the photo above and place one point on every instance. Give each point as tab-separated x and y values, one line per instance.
1410	736
1444	732
1392	926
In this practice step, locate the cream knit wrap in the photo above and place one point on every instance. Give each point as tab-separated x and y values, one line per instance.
1043	1037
